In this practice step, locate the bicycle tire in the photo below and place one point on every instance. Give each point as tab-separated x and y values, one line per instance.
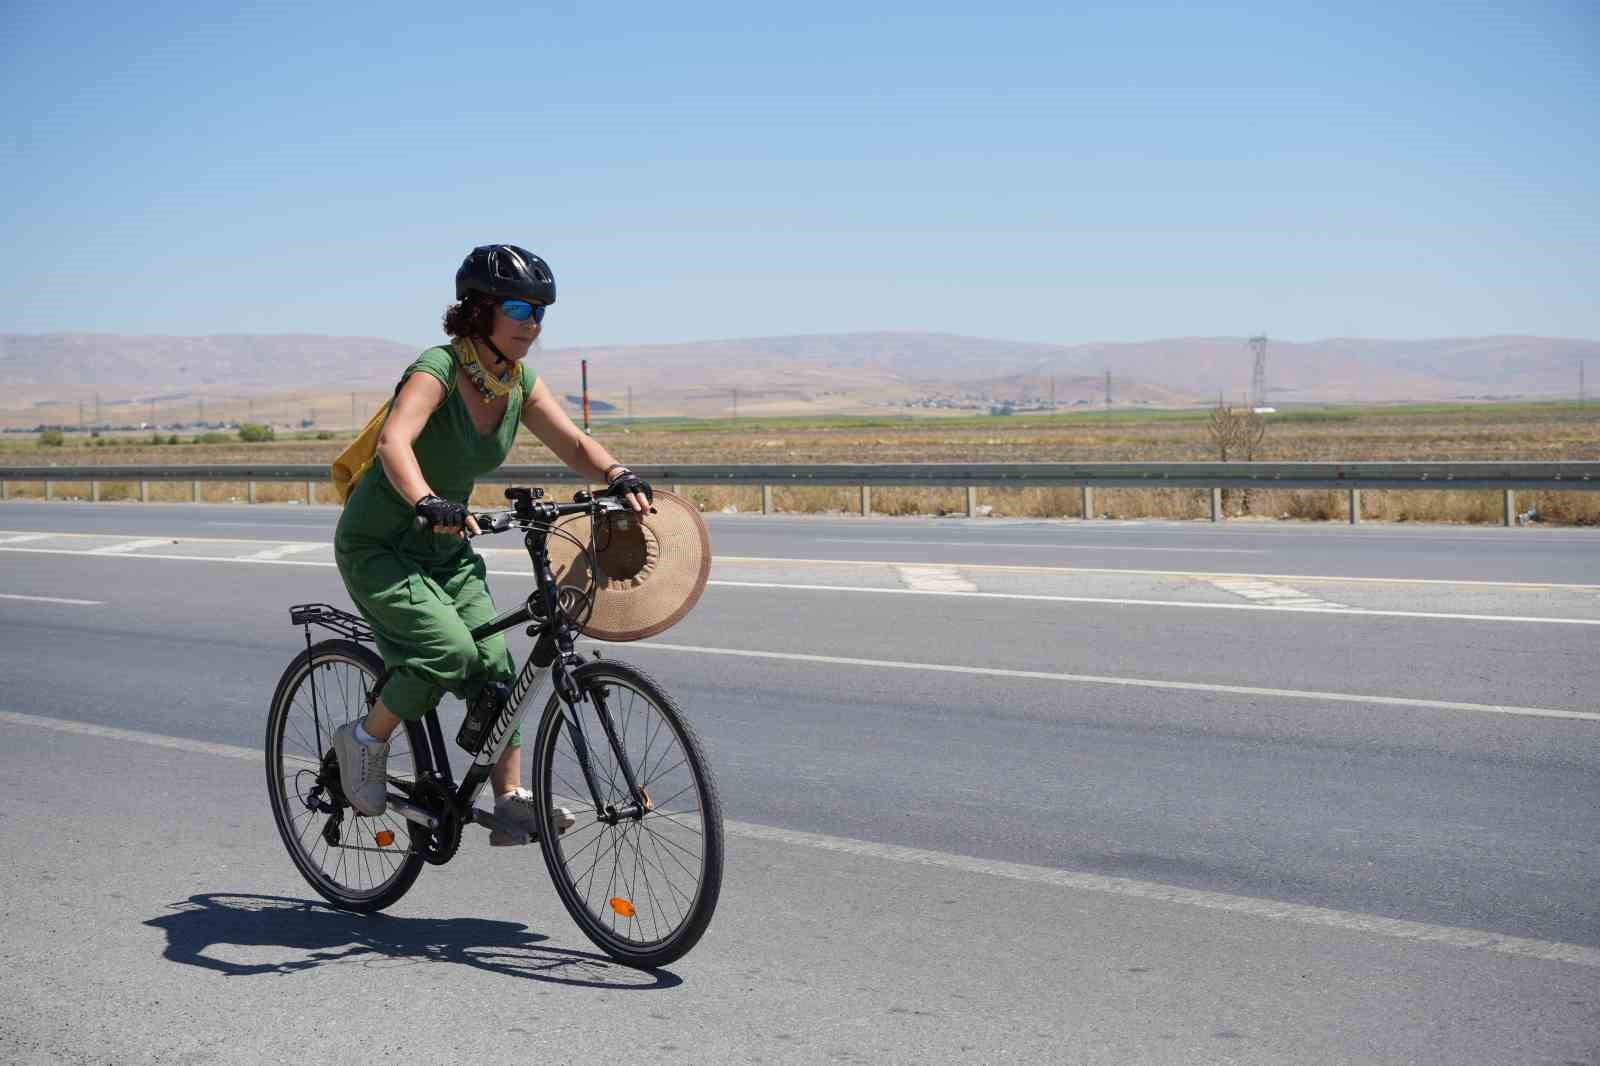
664	848
362	877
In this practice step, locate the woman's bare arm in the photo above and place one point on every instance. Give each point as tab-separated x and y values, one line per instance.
543	416
417	400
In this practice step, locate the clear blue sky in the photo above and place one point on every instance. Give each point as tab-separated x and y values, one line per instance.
722	170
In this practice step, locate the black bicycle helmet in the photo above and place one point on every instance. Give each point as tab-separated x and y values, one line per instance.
506	271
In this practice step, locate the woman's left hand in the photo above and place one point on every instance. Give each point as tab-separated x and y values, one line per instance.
632	490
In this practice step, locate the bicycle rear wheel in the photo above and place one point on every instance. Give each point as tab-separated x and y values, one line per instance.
643	890
356	863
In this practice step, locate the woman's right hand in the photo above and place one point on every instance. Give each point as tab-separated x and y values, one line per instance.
445	516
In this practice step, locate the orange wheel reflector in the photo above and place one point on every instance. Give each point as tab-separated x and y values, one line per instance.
622	906
384	837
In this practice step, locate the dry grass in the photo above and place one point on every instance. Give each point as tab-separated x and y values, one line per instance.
1530	432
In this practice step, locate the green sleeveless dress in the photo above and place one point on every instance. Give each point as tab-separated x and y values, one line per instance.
423	592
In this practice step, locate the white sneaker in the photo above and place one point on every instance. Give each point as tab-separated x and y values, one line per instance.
363	770
518	809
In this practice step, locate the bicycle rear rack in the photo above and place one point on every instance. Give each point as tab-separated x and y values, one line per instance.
330	617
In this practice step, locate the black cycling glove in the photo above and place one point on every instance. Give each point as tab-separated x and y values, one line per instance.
627	482
438	511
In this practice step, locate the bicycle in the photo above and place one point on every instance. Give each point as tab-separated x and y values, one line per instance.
611	746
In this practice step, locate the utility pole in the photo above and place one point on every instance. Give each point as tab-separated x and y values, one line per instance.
584	364
202	412
1258	373
736	403
80	411
1108	394
1052	392
1580	383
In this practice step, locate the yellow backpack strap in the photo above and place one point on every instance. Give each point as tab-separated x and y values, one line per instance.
353	463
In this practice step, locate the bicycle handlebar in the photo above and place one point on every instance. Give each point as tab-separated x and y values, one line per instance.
540	511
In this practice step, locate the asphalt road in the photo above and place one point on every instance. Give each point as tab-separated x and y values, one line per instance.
1001	791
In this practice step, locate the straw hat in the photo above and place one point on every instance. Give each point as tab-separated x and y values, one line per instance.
652	567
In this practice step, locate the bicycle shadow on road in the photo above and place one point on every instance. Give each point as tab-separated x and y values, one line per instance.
314	935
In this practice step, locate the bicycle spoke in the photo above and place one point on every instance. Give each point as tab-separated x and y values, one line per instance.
673	843
666	877
655	908
674	821
662	805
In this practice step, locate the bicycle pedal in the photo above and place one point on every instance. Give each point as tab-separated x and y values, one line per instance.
502	833
488	820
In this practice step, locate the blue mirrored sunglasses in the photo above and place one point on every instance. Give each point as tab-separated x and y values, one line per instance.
522	310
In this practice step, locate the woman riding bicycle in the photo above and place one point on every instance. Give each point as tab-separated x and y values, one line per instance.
419	584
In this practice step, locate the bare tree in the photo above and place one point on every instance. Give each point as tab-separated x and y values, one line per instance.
1236	432
1225	427
1252	433
1239	433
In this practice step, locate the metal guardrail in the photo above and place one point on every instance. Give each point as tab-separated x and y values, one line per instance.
1507	477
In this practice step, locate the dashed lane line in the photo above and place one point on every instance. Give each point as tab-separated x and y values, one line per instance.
269	554
1126	888
130	546
1270	592
934	579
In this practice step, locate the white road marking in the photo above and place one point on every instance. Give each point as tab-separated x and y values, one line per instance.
1131	682
158	740
1270	592
16	536
1153	891
123	549
1036	569
1017	544
267	554
934	579
1344	612
130	546
1394	928
51	599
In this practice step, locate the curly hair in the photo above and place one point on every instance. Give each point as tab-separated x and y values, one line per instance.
472	316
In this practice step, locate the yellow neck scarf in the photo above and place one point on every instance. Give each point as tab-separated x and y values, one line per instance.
490	385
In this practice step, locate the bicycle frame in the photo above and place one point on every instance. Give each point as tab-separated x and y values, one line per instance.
548	663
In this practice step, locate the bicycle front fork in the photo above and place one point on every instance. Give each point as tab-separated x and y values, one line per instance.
639	803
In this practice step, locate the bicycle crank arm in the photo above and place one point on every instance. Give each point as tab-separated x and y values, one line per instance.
411	812
490	822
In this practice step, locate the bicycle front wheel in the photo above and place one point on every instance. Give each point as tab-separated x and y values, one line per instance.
642	889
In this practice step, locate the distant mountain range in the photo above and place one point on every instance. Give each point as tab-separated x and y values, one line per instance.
852	372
